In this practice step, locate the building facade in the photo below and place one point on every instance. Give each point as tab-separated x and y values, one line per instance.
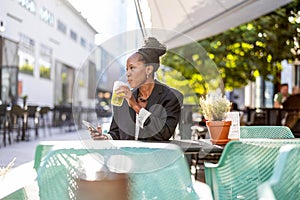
44	46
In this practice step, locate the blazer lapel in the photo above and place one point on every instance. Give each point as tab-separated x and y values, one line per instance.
155	95
132	112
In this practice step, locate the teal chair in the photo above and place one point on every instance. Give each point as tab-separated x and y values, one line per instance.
274	132
285	181
154	170
271	132
243	166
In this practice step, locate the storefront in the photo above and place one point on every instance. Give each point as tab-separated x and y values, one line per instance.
8	71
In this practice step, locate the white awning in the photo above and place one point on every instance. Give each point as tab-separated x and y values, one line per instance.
199	19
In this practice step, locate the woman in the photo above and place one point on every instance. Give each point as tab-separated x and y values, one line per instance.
151	110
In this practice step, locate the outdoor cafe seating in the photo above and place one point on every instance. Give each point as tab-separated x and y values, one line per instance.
288	115
243	166
45	122
4	125
246	132
146	170
234	170
284	182
17	122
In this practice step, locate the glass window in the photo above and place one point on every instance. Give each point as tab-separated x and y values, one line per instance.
26	54
47	16
28	4
26	63
83	42
62	27
73	35
45	61
45	69
27	43
45	50
297	75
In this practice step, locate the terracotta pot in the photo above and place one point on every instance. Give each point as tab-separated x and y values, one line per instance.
218	131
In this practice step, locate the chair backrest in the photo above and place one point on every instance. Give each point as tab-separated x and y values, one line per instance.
3	109
285	181
17	111
32	111
272	132
3	114
243	166
156	171
44	110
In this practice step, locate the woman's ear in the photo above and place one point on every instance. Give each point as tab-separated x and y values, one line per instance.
149	69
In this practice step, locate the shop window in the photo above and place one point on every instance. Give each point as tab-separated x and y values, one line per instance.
26	63
45	61
45	69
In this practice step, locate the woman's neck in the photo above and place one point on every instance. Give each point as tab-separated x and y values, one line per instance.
146	89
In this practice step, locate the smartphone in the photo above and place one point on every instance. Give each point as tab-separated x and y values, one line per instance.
89	125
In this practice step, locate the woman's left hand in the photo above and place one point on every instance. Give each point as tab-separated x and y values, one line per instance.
124	91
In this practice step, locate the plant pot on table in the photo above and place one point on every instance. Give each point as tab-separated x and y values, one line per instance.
218	131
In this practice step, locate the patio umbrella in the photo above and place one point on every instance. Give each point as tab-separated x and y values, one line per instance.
199	19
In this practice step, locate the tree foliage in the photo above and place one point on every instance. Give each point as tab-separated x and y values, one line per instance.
241	54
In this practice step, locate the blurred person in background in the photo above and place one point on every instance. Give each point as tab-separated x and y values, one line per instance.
281	96
296	90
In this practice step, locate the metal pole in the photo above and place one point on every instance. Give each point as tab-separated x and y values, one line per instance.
140	18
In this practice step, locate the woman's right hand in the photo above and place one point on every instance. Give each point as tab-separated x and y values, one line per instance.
97	135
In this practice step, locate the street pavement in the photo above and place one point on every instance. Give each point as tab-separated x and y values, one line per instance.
24	151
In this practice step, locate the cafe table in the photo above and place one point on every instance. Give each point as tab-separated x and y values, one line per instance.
189	147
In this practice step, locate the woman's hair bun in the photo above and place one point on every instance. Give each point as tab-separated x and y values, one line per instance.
152	50
153	44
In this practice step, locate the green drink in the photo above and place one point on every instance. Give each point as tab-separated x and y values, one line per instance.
117	99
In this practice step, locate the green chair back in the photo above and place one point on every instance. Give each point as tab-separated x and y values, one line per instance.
19	194
154	172
280	132
285	181
243	166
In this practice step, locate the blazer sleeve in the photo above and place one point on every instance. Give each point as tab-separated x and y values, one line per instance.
114	130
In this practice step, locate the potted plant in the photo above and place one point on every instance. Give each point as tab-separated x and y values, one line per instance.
214	108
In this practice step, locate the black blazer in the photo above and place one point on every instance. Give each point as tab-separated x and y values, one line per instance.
164	104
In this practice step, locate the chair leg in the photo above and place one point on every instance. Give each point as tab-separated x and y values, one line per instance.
4	137
19	133
6	131
36	125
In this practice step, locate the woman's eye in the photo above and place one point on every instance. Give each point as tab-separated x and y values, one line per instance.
131	68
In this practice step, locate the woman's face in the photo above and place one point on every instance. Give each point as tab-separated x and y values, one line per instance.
135	71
